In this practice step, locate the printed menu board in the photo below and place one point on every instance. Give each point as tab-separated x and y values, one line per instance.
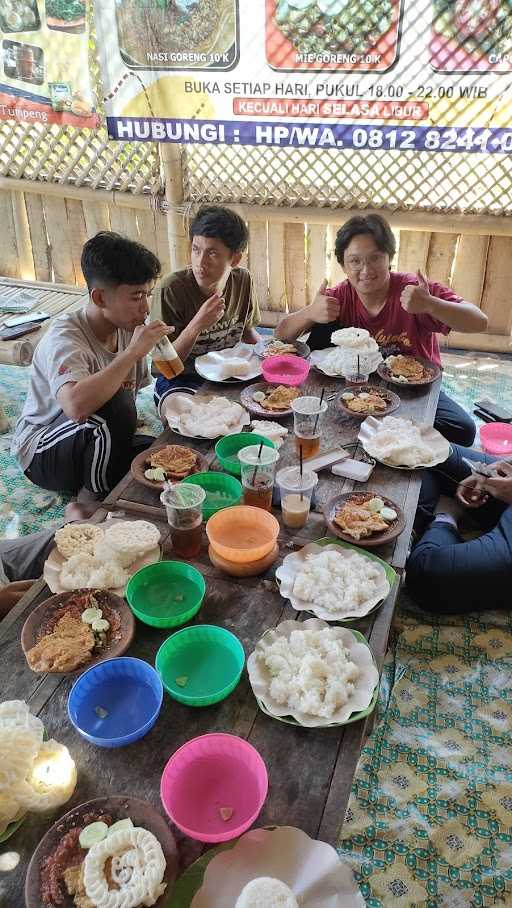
411	75
45	72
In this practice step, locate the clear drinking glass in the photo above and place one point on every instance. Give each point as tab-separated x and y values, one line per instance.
296	491
307	423
184	506
258	472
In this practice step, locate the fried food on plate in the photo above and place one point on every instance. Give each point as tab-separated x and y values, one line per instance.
174	459
406	367
280	398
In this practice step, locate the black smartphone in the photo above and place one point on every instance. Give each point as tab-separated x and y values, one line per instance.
9	334
500	414
486	417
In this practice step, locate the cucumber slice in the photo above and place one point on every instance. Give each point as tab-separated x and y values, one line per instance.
347	395
93	833
258	396
388	514
100	624
120	825
89	615
375	505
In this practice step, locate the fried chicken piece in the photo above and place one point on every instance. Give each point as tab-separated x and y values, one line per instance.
68	646
280	398
174	459
371	404
407	366
358	521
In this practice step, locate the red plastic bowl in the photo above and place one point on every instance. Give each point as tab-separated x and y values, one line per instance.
496	438
285	369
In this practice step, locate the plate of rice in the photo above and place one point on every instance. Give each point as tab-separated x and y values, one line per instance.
101	556
235	364
204	415
403	443
312	672
336	582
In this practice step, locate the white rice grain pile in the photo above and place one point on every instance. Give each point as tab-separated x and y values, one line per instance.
399	442
336	582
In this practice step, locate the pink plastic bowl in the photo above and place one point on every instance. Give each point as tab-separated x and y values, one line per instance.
209	773
285	369
496	438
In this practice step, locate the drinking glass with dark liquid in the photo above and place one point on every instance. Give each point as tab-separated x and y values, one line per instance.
166	360
307	418
258	467
184	506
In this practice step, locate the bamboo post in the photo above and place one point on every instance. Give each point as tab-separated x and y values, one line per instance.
23	240
170	155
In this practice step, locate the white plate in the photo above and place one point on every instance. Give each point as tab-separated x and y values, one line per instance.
359	653
293	563
368	362
211	365
439	446
312	870
176	405
54	562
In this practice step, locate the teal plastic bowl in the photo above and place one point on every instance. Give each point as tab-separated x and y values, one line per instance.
166	594
200	665
222	491
227	449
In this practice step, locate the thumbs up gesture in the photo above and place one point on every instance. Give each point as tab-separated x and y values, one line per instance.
416	298
324	309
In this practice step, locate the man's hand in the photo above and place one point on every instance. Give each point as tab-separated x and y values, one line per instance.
500	487
145	337
470	492
210	312
11	593
415	298
324	309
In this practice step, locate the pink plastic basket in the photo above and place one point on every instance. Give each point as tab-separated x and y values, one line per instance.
209	773
496	438
285	369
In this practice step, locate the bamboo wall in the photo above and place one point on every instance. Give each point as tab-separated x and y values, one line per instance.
290	250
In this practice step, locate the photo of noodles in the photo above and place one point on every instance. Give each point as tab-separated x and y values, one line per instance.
315	26
178	34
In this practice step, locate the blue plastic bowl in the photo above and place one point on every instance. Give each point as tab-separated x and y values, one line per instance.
116	702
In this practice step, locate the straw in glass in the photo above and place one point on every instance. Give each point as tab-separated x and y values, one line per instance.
318	414
256	467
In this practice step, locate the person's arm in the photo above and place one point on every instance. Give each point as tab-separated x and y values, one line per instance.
461	316
250	336
81	399
210	312
322	310
11	593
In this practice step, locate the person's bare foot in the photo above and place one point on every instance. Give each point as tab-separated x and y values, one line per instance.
80	510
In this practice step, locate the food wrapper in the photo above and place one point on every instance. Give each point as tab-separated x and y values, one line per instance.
359	653
312	870
178	405
439	446
236	363
293	563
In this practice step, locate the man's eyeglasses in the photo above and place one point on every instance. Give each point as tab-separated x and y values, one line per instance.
376	260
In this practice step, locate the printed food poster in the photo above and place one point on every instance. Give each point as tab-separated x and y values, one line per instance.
45	67
332	34
178	34
474	36
304	73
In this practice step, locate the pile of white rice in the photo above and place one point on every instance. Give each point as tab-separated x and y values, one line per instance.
399	442
336	582
218	416
311	672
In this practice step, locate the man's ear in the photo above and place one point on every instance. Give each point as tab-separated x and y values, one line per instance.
237	258
97	296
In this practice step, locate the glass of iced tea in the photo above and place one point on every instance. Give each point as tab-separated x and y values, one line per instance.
258	465
307	423
166	360
184	506
296	489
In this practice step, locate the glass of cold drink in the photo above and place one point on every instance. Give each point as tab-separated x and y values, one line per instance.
166	360
307	424
296	490
184	506
258	465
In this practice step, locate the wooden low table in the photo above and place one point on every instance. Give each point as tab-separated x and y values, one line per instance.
310	770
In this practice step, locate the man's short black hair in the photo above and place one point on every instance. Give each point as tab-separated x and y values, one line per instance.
372	225
221	224
109	259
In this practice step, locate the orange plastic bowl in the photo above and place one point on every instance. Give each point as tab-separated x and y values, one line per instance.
242	534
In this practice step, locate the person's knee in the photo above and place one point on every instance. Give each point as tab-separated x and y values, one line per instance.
464	433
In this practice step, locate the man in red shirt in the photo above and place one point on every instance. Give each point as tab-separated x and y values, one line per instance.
403	312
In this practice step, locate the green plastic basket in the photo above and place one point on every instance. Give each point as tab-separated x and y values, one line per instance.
166	594
227	449
222	491
200	665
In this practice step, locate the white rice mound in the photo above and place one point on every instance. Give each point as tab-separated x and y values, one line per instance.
271	430
266	892
218	416
399	442
86	571
337	583
311	672
77	538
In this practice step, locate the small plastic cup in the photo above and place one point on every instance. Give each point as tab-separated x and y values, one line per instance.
258	465
307	422
296	492
184	506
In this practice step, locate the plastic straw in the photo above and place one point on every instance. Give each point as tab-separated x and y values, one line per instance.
301	467
256	467
318	414
358	369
